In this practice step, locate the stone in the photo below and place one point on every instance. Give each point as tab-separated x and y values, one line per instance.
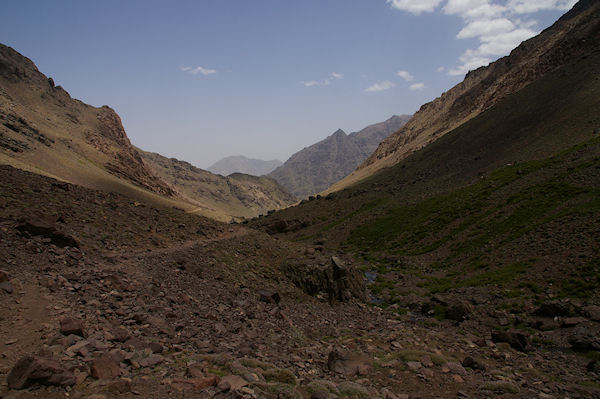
31	370
319	395
592	312
3	276
515	339
347	363
232	383
594	367
585	339
269	296
456	368
459	311
70	325
414	366
474	363
7	287
571	321
105	367
555	309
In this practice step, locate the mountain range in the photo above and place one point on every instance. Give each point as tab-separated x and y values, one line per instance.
316	167
242	164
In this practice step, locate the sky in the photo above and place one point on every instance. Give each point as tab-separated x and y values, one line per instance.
199	80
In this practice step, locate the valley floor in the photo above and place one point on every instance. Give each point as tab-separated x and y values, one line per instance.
162	304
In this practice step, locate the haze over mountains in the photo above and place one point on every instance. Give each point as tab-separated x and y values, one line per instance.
461	260
316	167
242	164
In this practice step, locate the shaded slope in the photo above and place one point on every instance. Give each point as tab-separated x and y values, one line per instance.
316	167
511	197
236	196
575	33
242	164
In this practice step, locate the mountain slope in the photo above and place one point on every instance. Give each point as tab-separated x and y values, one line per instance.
222	198
316	167
44	130
572	35
242	164
507	202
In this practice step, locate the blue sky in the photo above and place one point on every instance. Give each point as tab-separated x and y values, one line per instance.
200	80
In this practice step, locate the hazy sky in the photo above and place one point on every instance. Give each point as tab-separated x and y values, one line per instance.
202	79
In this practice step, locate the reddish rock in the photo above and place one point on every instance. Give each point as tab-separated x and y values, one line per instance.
70	325
31	370
105	367
232	383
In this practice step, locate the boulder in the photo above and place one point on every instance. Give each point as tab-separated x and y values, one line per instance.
459	310
105	366
347	363
31	370
337	280
70	325
269	296
585	339
555	309
515	339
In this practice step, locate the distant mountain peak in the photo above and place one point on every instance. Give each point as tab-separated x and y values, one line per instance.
243	164
339	133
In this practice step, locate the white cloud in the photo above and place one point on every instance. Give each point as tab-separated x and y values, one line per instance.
324	82
417	86
406	76
486	27
198	70
441	69
380	86
472	9
415	6
531	6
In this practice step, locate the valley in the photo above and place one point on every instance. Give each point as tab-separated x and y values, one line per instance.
461	259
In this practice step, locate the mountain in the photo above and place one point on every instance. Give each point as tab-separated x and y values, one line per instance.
315	168
486	86
44	130
241	164
237	195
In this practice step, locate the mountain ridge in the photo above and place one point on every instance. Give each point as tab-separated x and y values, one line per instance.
316	167
485	86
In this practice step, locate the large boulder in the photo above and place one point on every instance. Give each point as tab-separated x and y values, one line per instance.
340	282
347	363
34	370
515	339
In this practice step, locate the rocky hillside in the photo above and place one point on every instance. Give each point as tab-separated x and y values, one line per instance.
223	198
492	229
242	164
43	129
571	36
315	168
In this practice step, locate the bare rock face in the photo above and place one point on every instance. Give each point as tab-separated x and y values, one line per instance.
32	370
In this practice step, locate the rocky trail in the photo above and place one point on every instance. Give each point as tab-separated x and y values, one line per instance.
190	308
